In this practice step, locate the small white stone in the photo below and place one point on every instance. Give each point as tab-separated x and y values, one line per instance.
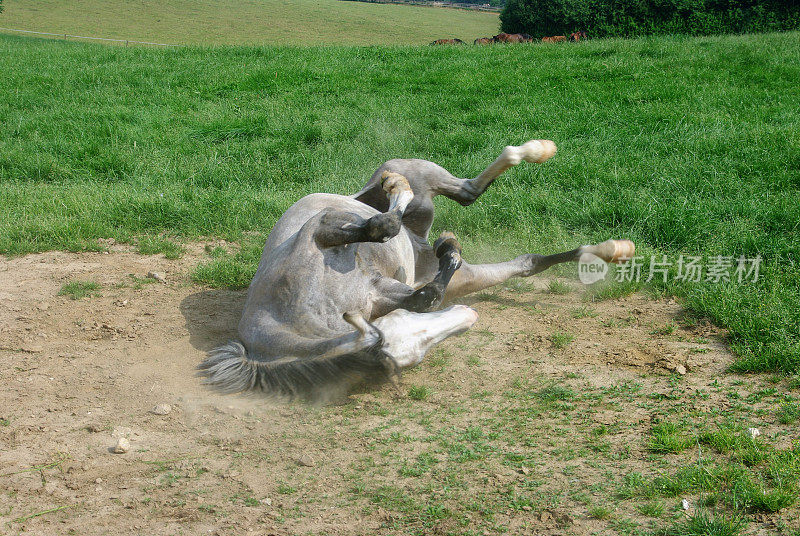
161	409
122	446
753	432
680	369
685	504
157	276
266	501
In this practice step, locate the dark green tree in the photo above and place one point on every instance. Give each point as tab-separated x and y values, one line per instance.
644	17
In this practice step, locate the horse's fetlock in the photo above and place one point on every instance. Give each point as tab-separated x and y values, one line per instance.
512	155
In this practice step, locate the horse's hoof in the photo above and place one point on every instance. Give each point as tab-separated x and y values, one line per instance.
538	151
391	181
446	241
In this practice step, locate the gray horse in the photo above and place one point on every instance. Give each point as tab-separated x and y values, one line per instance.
348	286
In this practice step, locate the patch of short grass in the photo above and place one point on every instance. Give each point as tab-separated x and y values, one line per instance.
76	290
612	291
789	413
561	340
419	392
669	437
651	508
666	329
705	524
231	270
736	473
584	312
600	512
152	245
558	287
554	393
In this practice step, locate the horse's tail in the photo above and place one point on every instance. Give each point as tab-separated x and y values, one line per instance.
229	369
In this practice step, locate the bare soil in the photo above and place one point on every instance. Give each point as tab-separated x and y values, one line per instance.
78	374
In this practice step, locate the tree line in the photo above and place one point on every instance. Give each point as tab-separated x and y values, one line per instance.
628	18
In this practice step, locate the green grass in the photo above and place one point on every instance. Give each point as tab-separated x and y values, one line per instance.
236	22
80	289
684	145
561	340
704	524
668	437
418	392
558	287
487	465
741	474
600	512
651	509
151	245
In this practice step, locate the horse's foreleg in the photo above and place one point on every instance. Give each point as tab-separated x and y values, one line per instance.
475	277
337	228
396	295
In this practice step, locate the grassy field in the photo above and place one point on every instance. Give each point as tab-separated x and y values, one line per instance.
683	145
686	146
257	22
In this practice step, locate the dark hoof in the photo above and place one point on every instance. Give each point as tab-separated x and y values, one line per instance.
382	227
446	243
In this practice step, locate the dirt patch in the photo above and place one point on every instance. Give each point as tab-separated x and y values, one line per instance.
79	374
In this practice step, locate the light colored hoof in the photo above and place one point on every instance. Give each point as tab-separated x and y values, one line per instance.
394	183
614	250
538	151
548	151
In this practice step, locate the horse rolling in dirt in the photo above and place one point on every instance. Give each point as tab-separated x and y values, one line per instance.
348	286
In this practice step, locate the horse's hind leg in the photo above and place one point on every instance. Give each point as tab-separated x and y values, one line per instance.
427	180
471	278
467	191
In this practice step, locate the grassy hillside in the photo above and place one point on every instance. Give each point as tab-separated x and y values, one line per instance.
215	22
683	145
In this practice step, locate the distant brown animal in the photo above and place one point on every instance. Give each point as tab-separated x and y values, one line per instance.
448	42
577	36
512	38
554	39
483	41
